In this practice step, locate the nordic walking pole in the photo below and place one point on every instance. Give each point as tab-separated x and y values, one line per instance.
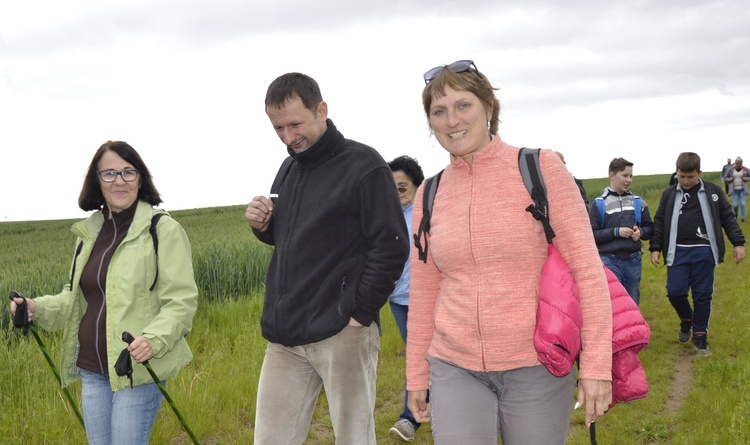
30	325
592	433
128	338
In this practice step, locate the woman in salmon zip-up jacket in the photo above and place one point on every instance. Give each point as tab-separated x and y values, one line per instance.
473	303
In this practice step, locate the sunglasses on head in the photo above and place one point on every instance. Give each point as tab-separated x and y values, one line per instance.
461	66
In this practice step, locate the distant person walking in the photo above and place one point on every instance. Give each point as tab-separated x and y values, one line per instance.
618	230
408	176
688	231
725	172
736	178
578	182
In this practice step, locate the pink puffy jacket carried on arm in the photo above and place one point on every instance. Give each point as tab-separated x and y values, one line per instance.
557	335
630	334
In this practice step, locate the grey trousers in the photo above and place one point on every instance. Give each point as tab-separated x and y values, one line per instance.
290	382
528	406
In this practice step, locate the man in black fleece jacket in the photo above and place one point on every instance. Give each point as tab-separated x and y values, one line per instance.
688	231
340	243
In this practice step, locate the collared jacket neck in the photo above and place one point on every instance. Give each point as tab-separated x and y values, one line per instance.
324	148
610	191
495	148
701	187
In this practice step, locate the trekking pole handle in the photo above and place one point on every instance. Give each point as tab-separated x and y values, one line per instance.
127	337
14	294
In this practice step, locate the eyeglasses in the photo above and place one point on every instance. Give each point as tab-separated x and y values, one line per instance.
404	189
111	175
461	66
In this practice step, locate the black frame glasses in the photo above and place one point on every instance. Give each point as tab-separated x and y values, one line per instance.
460	66
127	175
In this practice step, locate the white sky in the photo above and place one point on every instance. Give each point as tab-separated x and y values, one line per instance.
184	81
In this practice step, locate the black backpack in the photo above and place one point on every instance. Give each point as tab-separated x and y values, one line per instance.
528	163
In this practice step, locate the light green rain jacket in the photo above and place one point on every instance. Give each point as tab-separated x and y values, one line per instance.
164	316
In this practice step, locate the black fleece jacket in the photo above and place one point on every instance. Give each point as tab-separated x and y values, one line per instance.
721	214
340	241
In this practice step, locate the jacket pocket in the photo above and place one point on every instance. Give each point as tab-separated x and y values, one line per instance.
336	298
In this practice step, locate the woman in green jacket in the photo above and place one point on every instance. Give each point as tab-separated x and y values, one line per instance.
119	283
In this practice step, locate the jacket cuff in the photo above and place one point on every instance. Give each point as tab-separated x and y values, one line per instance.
364	318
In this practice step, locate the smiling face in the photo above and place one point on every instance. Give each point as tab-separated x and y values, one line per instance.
621	181
118	195
298	127
459	121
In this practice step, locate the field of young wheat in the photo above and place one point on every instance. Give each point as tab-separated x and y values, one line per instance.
692	400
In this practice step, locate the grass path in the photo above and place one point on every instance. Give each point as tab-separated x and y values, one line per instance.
692	400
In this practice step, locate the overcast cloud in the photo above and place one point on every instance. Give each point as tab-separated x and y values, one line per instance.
184	82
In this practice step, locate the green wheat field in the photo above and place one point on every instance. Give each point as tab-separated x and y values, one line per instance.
692	400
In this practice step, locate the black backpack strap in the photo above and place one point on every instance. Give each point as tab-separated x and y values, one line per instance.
528	163
428	198
75	260
155	238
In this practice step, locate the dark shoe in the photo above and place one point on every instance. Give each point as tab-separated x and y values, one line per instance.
701	345
685	328
403	429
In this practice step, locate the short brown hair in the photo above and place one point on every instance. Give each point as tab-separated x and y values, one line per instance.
619	164
91	197
688	162
472	81
290	85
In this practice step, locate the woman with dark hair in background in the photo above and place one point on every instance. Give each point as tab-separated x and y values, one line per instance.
408	176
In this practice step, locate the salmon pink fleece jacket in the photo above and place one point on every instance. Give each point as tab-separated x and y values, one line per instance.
473	304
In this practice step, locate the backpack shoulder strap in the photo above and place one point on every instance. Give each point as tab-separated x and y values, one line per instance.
637	205
428	199
600	205
155	238
528	164
75	260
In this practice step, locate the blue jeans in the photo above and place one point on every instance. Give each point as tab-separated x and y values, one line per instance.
628	273
401	314
738	200
124	417
693	269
